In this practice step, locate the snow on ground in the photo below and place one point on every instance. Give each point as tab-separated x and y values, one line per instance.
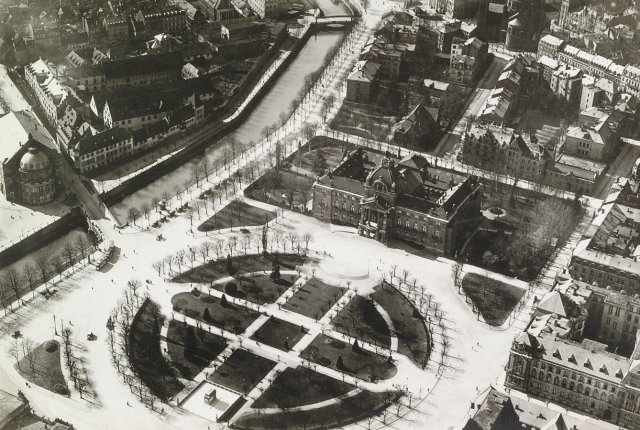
11	93
94	293
20	221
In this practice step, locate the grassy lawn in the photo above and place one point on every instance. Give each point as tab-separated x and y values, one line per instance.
362	320
276	332
237	214
494	299
496	247
325	351
217	269
314	299
208	347
258	289
364	122
324	152
413	338
350	410
301	386
47	368
230	317
242	371
276	187
146	357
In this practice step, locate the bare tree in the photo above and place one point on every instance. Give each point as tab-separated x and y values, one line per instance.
145	209
217	246
12	279
166	197
306	238
204	250
81	244
14	350
190	212
157	265
456	275
196	173
29	274
43	266
27	351
179	259
155	202
132	214
68	252
169	262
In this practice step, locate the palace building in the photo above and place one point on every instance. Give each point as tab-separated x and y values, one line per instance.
408	199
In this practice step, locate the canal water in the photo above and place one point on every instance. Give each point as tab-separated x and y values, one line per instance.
266	113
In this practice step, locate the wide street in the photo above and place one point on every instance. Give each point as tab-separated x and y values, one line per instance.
450	144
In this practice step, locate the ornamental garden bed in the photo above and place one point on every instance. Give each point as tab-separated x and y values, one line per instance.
314	299
301	386
242	371
44	368
365	404
360	319
237	214
339	355
409	326
211	310
146	357
204	348
279	334
214	270
494	299
260	289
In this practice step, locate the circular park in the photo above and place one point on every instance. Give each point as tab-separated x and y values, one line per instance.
274	341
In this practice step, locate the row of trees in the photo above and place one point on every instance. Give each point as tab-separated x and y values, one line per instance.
16	283
426	309
74	364
119	338
219	247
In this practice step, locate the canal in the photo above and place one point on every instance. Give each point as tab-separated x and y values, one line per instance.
266	113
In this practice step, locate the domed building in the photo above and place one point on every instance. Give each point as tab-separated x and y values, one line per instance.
35	177
31	171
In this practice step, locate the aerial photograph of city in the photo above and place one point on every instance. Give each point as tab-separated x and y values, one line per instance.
315	214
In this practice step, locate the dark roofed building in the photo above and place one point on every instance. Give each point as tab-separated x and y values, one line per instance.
144	69
142	109
413	130
101	149
407	199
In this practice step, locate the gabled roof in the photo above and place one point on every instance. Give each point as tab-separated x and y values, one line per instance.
142	65
364	71
102	140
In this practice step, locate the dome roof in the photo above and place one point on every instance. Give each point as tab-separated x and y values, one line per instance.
34	159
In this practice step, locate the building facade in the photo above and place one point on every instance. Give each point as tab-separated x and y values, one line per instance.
408	199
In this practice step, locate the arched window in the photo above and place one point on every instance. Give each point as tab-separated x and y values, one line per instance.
548	377
579	388
587	391
564	383
572	385
379	186
556	381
